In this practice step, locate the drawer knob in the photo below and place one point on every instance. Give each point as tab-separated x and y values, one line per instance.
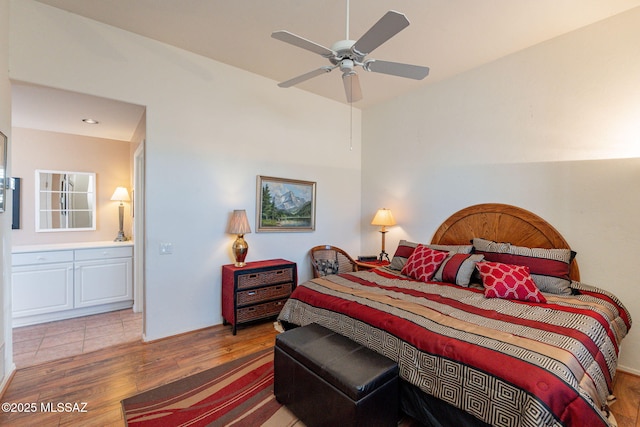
252	293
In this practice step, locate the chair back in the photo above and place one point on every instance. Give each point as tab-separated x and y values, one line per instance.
327	259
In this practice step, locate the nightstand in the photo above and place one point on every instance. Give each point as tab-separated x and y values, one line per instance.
368	265
256	291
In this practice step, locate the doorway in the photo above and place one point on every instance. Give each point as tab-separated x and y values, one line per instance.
60	113
138	228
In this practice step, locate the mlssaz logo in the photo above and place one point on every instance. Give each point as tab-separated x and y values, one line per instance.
63	407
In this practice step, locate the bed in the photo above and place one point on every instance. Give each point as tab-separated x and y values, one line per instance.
470	351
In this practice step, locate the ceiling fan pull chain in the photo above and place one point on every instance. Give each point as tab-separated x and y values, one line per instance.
351	126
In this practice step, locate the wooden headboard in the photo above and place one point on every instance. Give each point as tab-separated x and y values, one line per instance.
502	223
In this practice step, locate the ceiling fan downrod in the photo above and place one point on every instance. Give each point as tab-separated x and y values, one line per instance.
347	26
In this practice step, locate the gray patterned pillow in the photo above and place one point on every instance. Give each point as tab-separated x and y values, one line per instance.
549	267
403	252
457	268
406	248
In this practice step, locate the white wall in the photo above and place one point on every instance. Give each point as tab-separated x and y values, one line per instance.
211	129
539	129
6	348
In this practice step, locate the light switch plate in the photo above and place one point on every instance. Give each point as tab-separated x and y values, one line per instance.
166	248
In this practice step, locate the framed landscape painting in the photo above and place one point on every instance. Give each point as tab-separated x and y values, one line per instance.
285	204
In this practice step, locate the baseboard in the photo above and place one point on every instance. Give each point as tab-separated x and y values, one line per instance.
628	370
70	314
6	381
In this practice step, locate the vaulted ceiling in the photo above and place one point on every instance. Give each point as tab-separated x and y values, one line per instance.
449	36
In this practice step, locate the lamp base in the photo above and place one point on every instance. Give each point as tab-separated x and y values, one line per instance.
121	237
240	248
384	255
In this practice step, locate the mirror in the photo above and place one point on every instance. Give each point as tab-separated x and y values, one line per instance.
65	201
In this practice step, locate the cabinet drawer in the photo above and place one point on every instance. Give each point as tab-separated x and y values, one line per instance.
263	294
45	257
103	253
251	280
260	311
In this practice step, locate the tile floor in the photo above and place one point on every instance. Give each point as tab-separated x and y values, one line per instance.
41	343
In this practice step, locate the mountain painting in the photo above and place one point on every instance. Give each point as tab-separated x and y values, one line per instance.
285	204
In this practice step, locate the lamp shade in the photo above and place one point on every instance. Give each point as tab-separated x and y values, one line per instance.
120	195
239	224
383	217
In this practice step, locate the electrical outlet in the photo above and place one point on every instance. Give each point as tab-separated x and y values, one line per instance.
166	248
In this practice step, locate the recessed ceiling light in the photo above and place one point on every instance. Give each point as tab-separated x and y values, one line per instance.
90	121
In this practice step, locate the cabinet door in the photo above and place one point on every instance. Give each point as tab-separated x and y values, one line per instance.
38	289
103	281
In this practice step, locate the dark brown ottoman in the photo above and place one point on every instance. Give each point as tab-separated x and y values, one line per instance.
326	379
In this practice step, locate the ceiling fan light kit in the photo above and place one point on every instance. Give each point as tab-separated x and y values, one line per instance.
348	54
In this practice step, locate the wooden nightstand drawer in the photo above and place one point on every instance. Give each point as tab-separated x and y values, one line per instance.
263	294
252	280
259	311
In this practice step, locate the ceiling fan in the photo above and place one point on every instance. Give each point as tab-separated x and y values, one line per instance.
348	54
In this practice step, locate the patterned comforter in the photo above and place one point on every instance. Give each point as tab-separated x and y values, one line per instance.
505	362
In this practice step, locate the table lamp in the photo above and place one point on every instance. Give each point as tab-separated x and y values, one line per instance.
120	195
239	225
385	219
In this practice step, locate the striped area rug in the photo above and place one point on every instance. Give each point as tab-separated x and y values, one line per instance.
238	393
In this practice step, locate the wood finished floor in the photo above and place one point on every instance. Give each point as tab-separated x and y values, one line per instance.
104	377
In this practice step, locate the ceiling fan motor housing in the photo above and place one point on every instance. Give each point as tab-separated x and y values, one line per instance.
346	66
343	50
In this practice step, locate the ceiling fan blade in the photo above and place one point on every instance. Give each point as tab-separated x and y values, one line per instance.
306	76
352	86
298	41
388	26
415	72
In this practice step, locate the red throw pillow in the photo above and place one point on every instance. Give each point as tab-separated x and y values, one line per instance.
508	281
423	263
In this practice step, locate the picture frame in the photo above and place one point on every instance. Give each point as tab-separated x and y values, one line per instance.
3	171
16	185
285	205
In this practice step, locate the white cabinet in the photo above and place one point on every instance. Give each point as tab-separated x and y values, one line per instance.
42	282
103	276
56	283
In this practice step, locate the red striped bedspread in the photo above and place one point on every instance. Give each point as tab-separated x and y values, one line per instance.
506	362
